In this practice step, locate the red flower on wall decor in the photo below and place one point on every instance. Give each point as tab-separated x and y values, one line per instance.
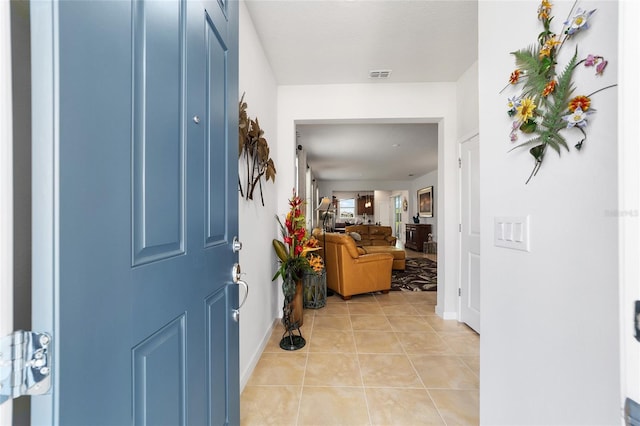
545	106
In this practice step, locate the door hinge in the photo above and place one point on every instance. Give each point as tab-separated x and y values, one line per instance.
24	364
459	227
459	162
459	291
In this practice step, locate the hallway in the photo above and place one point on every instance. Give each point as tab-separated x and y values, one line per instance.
383	359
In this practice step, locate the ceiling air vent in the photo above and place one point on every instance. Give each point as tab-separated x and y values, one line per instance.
379	74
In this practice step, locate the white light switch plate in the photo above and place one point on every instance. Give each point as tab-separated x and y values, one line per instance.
511	232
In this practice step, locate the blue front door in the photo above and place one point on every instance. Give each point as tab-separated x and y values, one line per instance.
135	210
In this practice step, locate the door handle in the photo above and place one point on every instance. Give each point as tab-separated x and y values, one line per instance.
236	274
236	245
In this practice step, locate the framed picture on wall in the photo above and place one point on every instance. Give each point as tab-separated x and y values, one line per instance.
425	202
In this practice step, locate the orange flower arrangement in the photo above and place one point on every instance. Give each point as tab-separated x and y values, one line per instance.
295	248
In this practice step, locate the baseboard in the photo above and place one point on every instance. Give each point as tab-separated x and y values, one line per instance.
450	315
246	374
447	315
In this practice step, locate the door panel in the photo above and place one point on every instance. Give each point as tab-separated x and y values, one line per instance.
158	135
216	65
217	369
141	209
165	392
470	235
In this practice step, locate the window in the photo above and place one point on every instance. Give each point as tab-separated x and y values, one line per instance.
397	204
347	208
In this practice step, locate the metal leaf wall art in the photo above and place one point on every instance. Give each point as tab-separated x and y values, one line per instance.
253	147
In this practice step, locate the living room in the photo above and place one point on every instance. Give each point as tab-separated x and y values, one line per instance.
377	162
374	218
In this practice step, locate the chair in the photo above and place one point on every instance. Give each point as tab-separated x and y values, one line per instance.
349	270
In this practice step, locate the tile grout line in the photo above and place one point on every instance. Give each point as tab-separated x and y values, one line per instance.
415	370
355	344
306	365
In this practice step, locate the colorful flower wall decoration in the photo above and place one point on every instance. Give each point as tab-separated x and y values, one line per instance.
548	103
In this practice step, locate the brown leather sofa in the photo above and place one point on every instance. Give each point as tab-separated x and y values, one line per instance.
372	235
349	270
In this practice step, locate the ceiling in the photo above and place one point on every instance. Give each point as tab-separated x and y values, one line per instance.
369	151
338	42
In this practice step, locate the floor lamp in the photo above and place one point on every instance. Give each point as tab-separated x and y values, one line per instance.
325	206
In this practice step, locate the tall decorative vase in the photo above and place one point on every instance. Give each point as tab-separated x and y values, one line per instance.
292	317
298	304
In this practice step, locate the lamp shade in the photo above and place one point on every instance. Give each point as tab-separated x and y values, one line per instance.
325	204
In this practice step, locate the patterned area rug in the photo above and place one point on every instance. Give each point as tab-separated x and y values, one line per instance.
419	275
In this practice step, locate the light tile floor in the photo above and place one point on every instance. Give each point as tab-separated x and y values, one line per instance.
377	359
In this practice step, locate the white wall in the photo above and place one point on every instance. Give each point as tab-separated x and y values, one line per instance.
431	102
467	103
549	351
257	223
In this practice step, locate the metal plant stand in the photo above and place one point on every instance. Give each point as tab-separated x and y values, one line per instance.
315	289
292	318
292	341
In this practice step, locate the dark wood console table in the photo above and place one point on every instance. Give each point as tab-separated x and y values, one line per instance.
416	235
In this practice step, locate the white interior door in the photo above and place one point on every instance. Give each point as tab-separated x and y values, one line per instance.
629	203
381	208
470	233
